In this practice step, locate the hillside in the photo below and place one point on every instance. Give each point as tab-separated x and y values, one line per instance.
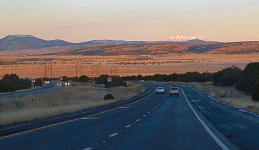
26	44
16	42
179	48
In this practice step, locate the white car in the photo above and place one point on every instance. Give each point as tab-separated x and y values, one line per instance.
160	90
174	91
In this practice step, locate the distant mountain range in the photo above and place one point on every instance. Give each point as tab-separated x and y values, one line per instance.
14	44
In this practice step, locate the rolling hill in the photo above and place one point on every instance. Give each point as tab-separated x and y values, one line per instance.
15	42
24	43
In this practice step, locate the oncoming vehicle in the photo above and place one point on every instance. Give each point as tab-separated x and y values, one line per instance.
160	90
174	91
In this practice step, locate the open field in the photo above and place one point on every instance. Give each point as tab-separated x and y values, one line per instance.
228	95
66	65
63	101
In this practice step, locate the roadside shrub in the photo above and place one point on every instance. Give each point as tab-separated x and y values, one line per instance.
38	82
116	81
65	78
249	79
102	79
83	78
108	97
11	82
255	93
227	77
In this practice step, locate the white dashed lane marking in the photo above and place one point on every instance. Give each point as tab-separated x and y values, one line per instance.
113	135
124	107
88	148
138	120
127	126
86	118
144	115
148	112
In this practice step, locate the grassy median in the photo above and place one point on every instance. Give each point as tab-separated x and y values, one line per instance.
63	101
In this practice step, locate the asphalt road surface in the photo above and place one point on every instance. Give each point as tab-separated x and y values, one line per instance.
156	121
47	88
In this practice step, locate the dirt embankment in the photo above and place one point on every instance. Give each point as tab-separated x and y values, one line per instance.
69	100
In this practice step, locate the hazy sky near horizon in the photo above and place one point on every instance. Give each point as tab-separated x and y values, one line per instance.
83	20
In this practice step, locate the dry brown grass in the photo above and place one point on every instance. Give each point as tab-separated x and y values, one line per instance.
228	95
34	66
83	96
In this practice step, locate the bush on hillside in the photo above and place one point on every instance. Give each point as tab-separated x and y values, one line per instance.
108	97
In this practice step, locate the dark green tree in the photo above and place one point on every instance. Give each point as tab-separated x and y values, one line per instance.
83	78
12	82
249	79
38	82
227	77
255	92
102	79
65	78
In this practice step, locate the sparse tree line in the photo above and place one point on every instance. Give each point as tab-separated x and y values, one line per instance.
11	82
246	80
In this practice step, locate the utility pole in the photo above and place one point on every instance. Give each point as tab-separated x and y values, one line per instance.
95	69
48	68
113	71
79	69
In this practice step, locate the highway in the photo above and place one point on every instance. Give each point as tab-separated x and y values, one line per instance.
47	88
156	121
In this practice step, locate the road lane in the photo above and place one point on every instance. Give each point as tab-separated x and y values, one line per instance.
172	126
47	88
240	128
157	122
86	131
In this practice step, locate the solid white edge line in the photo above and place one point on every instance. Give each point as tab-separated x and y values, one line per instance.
215	138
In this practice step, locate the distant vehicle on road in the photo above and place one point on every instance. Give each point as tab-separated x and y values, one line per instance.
67	83
160	90
174	91
47	82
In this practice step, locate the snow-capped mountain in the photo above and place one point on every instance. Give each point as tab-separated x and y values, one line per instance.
180	38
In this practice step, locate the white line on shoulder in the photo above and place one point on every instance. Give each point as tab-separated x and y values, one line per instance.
215	138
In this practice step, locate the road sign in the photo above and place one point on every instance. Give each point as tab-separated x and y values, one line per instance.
109	79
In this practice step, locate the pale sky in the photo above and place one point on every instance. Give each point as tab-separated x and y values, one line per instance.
151	20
